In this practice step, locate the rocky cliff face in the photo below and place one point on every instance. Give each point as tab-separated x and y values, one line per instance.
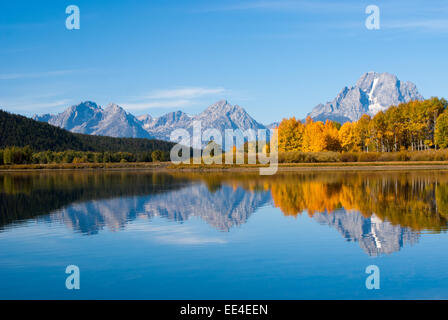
372	93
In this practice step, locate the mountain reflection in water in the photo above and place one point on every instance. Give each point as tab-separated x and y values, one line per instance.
382	212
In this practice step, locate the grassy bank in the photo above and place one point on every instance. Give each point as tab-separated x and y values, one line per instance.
287	161
61	166
167	166
313	157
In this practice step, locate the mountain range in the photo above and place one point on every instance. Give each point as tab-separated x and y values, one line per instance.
89	118
372	93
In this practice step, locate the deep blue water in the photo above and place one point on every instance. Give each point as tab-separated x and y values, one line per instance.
146	236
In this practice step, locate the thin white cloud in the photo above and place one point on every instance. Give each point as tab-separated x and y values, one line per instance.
33	106
428	25
172	98
250	5
176	234
14	76
285	5
190	240
185	93
156	104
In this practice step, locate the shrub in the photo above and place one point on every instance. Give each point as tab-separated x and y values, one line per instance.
156	155
349	157
429	155
308	157
329	156
403	156
7	156
368	156
441	155
79	160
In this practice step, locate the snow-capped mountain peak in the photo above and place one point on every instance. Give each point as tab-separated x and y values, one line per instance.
89	118
372	93
77	118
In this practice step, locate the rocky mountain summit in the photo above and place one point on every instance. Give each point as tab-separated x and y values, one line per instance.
373	92
89	118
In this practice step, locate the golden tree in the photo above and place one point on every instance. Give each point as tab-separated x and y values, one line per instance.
290	134
314	136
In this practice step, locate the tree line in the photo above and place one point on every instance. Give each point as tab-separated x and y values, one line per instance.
25	155
412	126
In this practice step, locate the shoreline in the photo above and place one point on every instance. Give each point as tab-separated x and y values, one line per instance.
283	167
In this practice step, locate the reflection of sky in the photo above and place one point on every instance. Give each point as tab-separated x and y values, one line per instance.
178	234
192	243
270	256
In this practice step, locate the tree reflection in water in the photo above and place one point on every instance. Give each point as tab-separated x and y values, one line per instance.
381	211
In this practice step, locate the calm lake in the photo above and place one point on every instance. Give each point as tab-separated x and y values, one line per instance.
141	235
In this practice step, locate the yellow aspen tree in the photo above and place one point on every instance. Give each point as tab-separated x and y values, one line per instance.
314	136
347	137
290	134
332	142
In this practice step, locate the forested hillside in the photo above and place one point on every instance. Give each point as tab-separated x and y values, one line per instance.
20	131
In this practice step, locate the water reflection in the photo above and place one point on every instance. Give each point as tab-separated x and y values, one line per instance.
222	209
373	235
382	212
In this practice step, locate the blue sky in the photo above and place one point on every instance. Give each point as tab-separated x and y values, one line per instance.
274	58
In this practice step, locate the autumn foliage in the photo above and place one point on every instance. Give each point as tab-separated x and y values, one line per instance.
412	126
